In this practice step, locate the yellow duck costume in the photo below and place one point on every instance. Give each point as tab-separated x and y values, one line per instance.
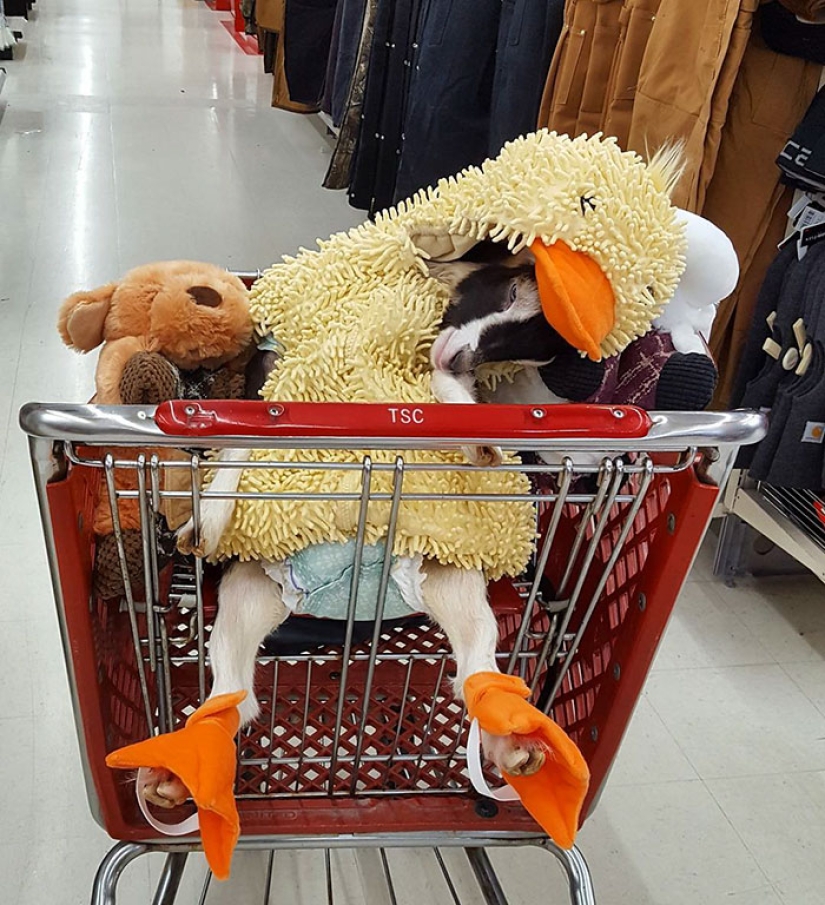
357	319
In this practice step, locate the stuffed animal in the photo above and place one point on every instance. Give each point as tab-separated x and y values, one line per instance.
669	368
176	329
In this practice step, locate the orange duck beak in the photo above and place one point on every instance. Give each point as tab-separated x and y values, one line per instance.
203	756
576	296
554	796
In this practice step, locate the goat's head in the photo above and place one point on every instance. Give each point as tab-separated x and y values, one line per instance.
494	314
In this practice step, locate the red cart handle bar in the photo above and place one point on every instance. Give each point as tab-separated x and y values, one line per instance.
518	423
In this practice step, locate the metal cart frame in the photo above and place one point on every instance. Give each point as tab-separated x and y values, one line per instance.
361	743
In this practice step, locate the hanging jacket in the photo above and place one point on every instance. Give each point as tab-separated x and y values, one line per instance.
746	197
575	94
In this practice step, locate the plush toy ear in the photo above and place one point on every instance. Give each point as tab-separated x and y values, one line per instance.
82	317
206	296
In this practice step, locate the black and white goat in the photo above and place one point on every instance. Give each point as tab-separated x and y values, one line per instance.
494	316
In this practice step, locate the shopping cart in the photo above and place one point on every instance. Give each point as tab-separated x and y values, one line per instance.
361	742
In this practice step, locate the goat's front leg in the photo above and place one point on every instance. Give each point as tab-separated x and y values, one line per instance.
250	607
460	388
457	600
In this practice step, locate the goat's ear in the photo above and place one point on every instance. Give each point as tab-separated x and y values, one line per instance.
523	258
452	273
82	317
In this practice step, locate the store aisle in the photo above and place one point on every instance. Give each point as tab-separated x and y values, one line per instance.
137	130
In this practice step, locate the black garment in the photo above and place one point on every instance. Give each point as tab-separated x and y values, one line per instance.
762	389
341	162
754	357
270	48
778	385
375	167
527	36
307	37
17	8
447	124
346	39
800	423
802	160
784	33
332	60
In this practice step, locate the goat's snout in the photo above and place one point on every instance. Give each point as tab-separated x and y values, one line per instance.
462	362
450	352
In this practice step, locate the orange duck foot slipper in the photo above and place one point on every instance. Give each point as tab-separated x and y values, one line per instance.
555	794
203	756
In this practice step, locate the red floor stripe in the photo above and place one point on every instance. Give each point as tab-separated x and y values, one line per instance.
247	43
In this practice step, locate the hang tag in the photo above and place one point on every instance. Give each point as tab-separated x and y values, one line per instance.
811	215
814	432
798	206
809	236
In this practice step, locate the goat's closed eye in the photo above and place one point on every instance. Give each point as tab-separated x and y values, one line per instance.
512	295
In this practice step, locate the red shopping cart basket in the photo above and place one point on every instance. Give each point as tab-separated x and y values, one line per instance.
361	741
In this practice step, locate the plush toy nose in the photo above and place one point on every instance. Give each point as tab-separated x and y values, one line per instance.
576	296
205	295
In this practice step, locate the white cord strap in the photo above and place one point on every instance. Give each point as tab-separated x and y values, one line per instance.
187	827
505	793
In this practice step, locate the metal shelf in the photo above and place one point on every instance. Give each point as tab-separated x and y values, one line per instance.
746	504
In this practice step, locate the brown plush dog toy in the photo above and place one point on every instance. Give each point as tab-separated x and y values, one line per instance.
169	330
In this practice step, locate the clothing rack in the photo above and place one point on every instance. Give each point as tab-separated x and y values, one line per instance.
791	519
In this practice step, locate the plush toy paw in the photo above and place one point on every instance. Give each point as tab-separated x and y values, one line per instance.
571	377
485	456
687	383
108	575
149	379
517	755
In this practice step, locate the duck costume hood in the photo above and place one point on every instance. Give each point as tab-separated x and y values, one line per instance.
356	319
358	316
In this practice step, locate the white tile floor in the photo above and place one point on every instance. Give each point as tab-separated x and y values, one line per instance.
134	130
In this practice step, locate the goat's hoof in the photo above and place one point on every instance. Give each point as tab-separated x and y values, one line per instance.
163	789
485	456
513	754
186	541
